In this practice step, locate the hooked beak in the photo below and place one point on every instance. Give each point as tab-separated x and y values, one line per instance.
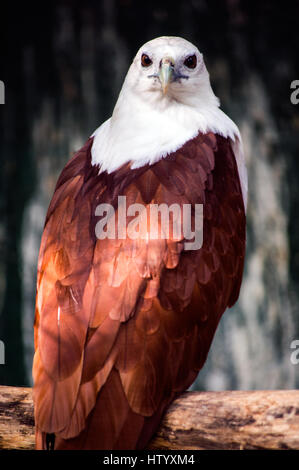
166	71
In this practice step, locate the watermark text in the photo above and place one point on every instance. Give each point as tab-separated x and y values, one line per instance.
2	353
151	222
294	358
295	94
2	92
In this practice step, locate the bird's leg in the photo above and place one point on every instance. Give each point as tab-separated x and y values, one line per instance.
50	441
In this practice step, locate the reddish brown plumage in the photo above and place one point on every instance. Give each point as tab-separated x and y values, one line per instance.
123	326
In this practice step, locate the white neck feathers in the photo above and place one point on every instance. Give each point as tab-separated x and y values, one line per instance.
142	133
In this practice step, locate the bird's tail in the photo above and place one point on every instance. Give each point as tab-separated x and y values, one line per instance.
112	425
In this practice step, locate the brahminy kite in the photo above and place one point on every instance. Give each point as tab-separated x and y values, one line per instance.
123	323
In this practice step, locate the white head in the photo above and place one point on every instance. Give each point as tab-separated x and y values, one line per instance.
170	69
166	99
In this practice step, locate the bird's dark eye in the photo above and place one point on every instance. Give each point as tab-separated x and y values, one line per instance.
145	60
191	61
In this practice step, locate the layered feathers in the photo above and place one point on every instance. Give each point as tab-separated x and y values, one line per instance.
123	326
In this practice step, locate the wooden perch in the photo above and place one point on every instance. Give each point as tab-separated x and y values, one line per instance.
196	420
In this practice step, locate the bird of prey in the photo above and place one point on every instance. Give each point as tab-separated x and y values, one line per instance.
123	324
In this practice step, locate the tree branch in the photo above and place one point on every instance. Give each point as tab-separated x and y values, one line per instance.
196	420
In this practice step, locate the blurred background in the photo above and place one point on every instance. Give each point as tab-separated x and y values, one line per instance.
63	64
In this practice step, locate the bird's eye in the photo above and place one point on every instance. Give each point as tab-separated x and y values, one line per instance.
191	61
145	60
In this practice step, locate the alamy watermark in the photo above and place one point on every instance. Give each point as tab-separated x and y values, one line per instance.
294	97
2	92
151	222
2	353
294	358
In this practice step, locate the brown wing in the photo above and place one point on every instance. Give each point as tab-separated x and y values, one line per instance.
122	326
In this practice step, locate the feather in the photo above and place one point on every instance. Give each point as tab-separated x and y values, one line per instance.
123	325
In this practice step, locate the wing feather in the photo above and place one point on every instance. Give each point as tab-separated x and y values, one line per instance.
122	326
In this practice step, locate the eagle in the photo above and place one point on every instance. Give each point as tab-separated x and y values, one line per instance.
124	324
